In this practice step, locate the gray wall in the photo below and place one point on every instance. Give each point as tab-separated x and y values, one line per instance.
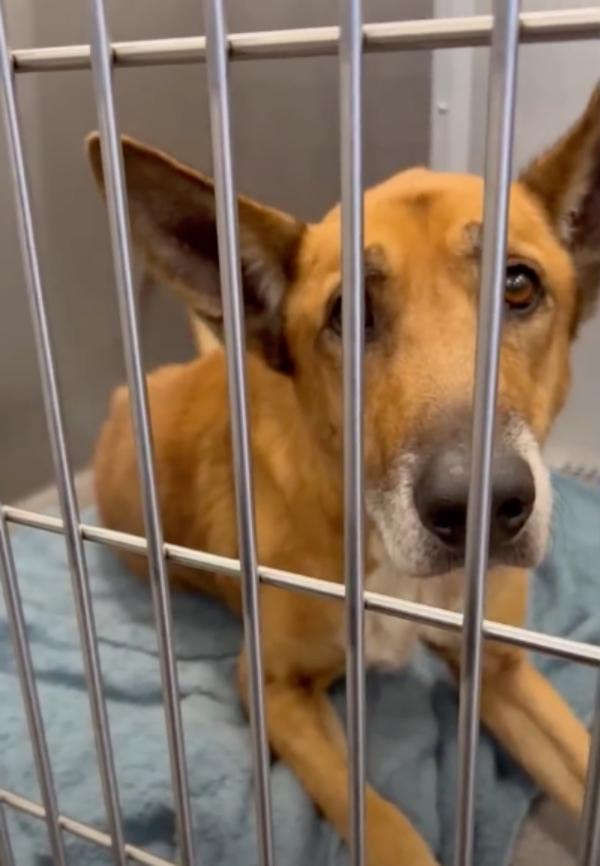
555	82
286	144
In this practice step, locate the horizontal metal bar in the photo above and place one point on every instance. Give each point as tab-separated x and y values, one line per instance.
436	617
83	831
427	34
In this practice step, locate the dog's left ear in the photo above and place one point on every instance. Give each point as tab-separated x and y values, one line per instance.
173	219
566	179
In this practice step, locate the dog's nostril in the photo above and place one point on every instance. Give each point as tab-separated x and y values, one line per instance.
512	514
513	498
441	494
512	509
448	521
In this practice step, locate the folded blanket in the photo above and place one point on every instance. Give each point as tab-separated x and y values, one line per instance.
412	715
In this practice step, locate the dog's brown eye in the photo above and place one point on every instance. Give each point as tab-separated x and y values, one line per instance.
334	319
523	289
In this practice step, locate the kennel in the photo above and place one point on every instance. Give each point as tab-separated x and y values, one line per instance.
504	31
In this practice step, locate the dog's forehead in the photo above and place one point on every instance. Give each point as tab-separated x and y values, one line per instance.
421	212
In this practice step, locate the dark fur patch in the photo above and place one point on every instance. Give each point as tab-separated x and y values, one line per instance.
265	328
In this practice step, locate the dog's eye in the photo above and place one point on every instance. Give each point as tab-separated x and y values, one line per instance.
523	289
334	318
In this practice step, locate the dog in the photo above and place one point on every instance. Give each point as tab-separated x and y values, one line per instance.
422	254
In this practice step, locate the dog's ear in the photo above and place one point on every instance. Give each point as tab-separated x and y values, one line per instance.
173	224
566	179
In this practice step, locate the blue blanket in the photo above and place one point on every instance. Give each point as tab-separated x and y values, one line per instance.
411	715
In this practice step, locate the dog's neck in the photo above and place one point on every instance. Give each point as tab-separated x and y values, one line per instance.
306	474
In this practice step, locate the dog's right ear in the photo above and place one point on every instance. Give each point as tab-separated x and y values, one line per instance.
173	223
566	180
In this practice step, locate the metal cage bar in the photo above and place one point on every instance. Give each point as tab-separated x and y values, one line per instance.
31	701
76	828
505	30
235	345
419	35
59	448
353	313
589	849
112	162
499	138
559	647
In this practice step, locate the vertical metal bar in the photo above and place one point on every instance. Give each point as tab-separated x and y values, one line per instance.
233	318
58	442
499	138
112	160
6	854
353	304
589	848
33	712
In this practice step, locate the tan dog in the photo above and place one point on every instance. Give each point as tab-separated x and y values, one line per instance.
422	255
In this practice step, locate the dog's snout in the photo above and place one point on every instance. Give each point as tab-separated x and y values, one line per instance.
513	497
442	490
441	495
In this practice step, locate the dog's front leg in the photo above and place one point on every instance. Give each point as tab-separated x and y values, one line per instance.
533	722
536	726
306	735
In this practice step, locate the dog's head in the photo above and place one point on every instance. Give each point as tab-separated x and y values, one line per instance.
422	260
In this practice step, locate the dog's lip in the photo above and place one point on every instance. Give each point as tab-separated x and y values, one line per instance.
519	552
522	552
516	555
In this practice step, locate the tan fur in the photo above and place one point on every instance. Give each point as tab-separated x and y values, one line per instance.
421	225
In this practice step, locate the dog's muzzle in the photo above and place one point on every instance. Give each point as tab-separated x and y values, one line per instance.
441	494
420	509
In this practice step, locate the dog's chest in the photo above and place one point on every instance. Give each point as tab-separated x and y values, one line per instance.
389	640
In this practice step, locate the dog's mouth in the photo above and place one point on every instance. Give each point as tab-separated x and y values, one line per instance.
524	552
422	516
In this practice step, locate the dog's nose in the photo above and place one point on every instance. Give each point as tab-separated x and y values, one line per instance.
442	490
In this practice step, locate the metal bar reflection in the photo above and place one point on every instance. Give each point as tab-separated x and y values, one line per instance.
499	135
31	701
235	344
60	456
559	647
353	314
120	236
589	849
419	35
76	828
6	854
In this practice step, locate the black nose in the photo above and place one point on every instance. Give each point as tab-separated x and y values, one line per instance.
442	490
